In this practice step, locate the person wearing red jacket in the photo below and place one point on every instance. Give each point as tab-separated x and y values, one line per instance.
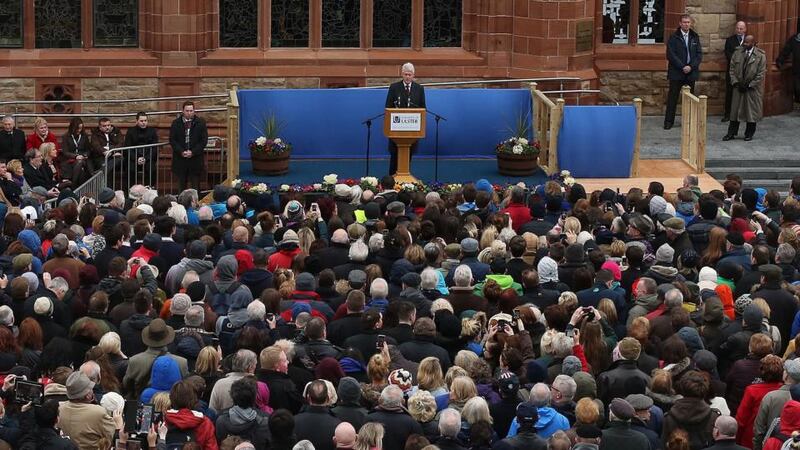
181	418
771	380
41	134
790	422
288	248
517	210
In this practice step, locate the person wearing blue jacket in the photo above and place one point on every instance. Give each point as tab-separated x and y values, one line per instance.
549	420
163	375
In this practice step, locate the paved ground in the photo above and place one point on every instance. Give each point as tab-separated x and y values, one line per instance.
777	136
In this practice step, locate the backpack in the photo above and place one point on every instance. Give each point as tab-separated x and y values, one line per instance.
219	300
177	438
227	336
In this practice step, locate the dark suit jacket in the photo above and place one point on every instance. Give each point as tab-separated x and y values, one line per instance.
12	146
677	56
198	139
730	46
38	177
397	97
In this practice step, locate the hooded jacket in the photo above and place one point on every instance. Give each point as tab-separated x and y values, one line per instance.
130	333
186	419
642	306
257	280
748	409
504	281
204	269
790	421
549	422
696	417
249	424
163	375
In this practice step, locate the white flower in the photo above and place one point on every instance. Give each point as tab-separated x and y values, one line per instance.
565	173
236	182
521	184
284	187
517	149
261	140
569	181
522	141
317	186
409	187
260	188
372	181
330	178
277	141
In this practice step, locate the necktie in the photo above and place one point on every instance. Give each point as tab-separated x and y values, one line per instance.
408	90
741	39
688	54
744	65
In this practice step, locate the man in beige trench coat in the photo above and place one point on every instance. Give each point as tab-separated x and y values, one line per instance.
747	71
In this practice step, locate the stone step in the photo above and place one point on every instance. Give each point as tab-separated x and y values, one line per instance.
712	164
776	172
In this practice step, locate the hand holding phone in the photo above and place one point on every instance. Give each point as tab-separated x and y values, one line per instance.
380	341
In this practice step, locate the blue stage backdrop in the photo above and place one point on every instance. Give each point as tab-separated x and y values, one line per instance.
327	123
597	141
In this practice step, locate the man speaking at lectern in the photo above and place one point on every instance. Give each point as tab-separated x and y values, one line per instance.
405	93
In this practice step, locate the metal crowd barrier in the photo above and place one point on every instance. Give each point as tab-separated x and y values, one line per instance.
122	171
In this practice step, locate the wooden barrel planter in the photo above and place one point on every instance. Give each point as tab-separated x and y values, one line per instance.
517	165
264	164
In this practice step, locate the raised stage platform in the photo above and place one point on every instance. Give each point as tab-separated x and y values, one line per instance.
670	172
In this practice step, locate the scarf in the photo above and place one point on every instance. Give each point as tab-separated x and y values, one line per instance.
240	416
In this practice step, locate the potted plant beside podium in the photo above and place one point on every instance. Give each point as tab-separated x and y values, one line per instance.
516	156
269	153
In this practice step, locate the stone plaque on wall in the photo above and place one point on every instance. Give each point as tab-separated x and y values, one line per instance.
584	36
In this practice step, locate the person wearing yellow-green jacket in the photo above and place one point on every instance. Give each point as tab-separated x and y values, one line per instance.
503	280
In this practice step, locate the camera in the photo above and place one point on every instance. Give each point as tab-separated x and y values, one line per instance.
28	391
270	317
589	313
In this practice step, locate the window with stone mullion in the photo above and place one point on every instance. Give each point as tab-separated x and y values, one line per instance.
11	25
632	21
116	23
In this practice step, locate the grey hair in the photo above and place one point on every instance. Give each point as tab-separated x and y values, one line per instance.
9	117
379	288
148	196
205	213
255	310
785	253
506	234
692	180
195	315
449	422
562	345
408	67
60	284
476	410
375	242
243	360
441	304
429	278
566	385
727	426
391	397
287	346
359	251
540	395
188	278
119	197
178	212
462	276
673	298
188	196
305	444
92	370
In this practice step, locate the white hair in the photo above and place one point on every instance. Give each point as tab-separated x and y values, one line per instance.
256	310
562	345
429	278
673	298
379	288
440	304
178	212
462	277
111	343
408	67
60	284
359	252
205	213
506	234
375	242
449	422
148	196
119	197
566	386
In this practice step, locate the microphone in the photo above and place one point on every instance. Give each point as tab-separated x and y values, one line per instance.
397	102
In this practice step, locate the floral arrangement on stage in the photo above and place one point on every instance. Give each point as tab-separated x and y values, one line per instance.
269	143
366	183
517	145
563	178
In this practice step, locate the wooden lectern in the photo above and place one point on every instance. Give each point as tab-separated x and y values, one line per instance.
404	126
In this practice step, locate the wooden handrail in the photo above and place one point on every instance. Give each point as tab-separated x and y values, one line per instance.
694	119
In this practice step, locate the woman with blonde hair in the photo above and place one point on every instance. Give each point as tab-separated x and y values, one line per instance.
111	345
774	332
430	377
49	161
41	134
207	367
572	225
370	437
461	390
422	408
476	410
465	359
377	373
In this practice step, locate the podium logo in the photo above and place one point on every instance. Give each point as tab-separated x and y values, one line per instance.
396	119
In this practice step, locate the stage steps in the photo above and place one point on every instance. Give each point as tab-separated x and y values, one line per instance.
767	173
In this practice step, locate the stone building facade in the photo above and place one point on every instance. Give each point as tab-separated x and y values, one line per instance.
176	48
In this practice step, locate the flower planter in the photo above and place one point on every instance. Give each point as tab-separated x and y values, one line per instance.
264	164
517	165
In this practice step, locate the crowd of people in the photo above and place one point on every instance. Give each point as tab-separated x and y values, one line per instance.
529	318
